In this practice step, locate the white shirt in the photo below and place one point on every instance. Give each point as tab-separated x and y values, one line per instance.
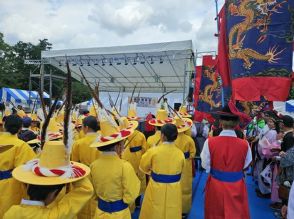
32	203
291	203
205	154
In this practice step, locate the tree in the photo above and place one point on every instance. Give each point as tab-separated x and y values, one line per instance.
15	74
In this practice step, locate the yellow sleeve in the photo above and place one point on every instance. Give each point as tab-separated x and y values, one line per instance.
75	152
146	161
131	184
71	204
144	144
192	147
11	213
24	153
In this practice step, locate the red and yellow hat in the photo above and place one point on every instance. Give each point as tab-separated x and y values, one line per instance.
161	118
183	124
52	168
111	132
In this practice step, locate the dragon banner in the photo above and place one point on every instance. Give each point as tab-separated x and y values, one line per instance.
209	95
197	79
258	37
251	108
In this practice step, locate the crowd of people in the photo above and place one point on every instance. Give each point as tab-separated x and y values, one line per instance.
108	168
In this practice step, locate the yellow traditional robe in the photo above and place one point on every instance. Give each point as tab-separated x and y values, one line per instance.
186	144
153	140
66	208
162	200
114	179
189	132
83	153
78	134
81	150
13	152
134	158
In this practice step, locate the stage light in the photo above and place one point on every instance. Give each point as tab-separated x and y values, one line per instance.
151	62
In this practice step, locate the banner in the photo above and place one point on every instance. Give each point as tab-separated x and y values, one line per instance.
255	48
149	102
197	79
252	107
209	98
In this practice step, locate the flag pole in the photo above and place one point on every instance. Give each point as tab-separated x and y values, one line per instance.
218	28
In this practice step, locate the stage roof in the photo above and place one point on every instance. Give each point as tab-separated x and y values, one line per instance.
156	67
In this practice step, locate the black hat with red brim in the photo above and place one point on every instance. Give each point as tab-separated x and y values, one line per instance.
225	114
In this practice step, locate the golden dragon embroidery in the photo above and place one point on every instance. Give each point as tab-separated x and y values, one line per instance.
209	90
256	14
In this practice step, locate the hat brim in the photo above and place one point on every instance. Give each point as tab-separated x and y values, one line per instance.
185	115
156	122
54	136
133	124
187	125
117	137
27	176
34	141
133	118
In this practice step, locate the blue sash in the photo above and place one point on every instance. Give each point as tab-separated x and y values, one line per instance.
136	149
187	155
111	207
5	174
161	178
226	176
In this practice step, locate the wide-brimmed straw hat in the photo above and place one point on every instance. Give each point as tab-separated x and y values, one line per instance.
52	168
111	132
183	112
132	112
161	118
183	124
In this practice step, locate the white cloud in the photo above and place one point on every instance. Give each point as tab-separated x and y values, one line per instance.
93	23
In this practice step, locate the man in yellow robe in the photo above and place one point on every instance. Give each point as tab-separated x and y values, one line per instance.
81	152
186	144
165	163
161	119
136	147
44	185
153	140
13	152
115	182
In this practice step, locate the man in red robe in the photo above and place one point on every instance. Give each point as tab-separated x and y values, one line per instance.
225	157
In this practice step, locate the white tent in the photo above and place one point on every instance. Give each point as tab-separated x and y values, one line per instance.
154	68
285	108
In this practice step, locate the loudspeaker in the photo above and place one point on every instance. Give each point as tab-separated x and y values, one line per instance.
190	94
177	106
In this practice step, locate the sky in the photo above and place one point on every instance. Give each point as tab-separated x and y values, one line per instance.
72	24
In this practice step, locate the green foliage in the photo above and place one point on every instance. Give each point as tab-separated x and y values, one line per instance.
80	92
15	74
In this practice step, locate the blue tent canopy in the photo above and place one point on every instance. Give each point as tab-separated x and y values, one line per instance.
20	96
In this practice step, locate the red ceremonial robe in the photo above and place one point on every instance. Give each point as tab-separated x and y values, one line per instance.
223	199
